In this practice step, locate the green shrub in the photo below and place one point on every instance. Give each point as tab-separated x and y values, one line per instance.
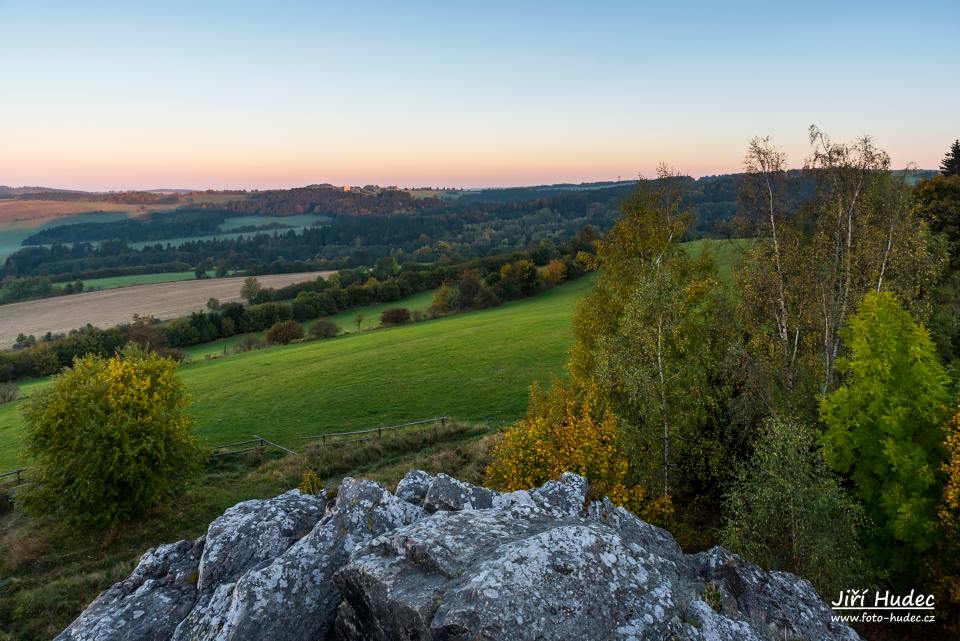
324	328
445	300
248	342
787	511
284	332
110	438
8	392
395	316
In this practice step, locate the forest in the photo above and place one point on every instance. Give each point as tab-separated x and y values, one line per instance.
358	228
805	414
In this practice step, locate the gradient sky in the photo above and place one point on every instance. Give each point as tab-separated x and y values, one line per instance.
203	94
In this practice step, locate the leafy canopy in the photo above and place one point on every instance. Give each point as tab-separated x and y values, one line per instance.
561	434
111	437
951	162
787	511
884	423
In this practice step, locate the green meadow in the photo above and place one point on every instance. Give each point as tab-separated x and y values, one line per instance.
475	366
112	282
12	234
347	321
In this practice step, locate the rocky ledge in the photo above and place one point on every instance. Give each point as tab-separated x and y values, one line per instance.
444	560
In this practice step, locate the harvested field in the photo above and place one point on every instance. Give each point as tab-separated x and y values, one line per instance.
113	306
34	213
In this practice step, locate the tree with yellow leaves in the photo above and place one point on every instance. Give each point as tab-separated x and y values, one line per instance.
110	438
947	565
561	434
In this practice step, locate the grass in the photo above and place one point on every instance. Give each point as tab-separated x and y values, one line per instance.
300	220
49	572
462	365
724	252
474	366
345	320
111	282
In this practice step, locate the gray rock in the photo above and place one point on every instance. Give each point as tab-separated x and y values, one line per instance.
449	494
292	598
536	565
779	605
513	573
413	487
566	496
372	566
149	603
255	531
651	539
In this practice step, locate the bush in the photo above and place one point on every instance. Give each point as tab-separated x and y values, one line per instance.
324	328
8	392
561	434
445	300
787	511
284	332
311	483
249	342
110	438
395	316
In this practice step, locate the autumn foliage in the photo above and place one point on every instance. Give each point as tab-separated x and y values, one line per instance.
948	566
562	434
109	438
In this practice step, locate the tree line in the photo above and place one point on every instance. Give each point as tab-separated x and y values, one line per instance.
432	229
476	283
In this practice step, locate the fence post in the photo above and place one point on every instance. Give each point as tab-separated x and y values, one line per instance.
443	421
18	476
380	431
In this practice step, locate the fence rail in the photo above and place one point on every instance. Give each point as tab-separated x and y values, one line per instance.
259	443
337	438
18	476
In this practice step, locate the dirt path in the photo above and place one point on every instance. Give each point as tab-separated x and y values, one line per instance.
113	306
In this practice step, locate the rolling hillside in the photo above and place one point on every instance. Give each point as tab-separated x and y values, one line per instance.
475	366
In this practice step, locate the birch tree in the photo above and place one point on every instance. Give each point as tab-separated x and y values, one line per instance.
652	333
815	260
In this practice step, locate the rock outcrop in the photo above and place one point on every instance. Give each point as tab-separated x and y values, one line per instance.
444	560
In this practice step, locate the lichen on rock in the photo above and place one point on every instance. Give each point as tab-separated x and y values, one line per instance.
443	559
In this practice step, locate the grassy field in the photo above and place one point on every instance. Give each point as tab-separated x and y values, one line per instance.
475	366
21	218
345	320
138	279
300	220
724	252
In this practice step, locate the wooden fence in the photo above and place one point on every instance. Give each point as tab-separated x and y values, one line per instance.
19	477
339	438
14	477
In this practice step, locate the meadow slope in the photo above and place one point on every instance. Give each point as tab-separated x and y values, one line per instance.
475	366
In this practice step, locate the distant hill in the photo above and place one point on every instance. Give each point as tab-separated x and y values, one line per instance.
15	192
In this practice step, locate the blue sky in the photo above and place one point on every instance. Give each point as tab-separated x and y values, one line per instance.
109	95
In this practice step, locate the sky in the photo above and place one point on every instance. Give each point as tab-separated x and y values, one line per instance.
242	95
